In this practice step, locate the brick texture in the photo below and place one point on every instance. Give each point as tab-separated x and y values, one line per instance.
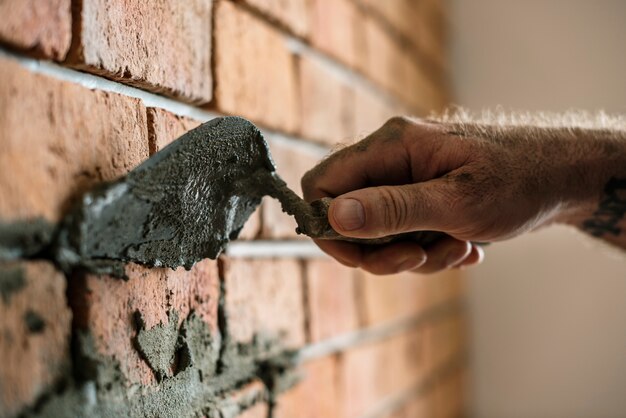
43	28
264	299
106	308
317	396
255	71
34	334
90	136
332	301
295	15
164	47
336	29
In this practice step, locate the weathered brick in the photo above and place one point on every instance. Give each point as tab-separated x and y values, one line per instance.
264	298
43	28
331	299
327	103
164	47
292	14
163	128
255	71
336	29
292	161
34	332
59	139
106	307
317	395
400	296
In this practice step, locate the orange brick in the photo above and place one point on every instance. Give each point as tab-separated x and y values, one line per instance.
292	14
327	104
106	308
400	296
336	29
331	299
264	298
255	71
34	330
90	136
292	161
371	111
164	47
317	395
42	28
163	128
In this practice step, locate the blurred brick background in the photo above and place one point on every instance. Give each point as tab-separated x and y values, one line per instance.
311	74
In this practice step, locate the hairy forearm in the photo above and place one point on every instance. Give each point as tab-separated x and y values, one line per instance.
577	162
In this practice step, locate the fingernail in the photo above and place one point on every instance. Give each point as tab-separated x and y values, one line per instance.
349	214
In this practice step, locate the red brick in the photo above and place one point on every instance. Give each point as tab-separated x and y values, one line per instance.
35	357
264	298
292	161
255	71
163	47
43	28
371	111
90	136
105	306
336	29
327	104
317	395
292	14
163	128
400	296
331	299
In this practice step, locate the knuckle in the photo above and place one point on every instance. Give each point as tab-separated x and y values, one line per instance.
395	209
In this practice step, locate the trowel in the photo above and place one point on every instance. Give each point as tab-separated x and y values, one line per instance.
182	205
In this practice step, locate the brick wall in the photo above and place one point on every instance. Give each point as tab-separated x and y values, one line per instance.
90	88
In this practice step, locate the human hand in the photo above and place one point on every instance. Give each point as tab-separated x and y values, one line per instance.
420	175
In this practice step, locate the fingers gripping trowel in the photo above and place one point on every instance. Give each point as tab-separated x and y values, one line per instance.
180	206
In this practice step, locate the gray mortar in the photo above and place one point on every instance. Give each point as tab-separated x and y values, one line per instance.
24	238
34	322
194	390
11	281
158	345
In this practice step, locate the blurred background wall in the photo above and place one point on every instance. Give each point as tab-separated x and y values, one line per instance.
548	309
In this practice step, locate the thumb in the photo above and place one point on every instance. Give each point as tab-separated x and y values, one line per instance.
376	212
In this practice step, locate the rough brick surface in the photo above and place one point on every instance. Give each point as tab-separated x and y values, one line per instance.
43	28
318	395
58	139
293	14
34	333
163	128
164	46
331	299
292	161
106	308
255	71
327	104
264	298
336	29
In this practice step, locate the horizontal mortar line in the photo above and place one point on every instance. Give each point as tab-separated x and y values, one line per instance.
422	386
377	332
342	71
274	249
149	99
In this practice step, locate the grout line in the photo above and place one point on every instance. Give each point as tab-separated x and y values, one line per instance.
273	249
149	99
387	406
375	333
